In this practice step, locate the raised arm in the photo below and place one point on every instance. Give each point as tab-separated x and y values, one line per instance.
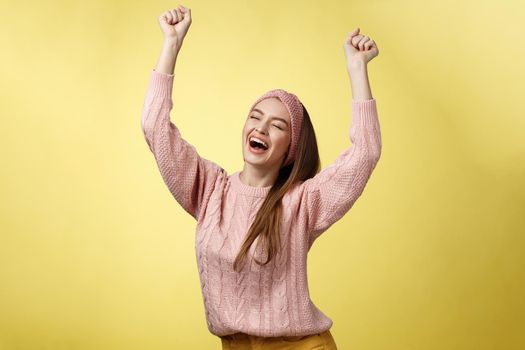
332	192
189	177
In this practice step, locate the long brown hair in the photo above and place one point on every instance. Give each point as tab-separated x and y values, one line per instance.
267	221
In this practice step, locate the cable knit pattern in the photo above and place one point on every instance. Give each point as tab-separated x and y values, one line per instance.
271	300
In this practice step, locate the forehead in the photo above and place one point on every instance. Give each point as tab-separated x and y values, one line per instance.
272	107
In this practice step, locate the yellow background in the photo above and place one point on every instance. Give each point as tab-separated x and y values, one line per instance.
96	254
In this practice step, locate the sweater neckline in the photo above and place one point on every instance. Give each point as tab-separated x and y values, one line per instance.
241	187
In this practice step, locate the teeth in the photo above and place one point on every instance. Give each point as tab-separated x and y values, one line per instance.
258	140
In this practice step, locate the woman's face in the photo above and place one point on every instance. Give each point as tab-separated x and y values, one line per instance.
268	121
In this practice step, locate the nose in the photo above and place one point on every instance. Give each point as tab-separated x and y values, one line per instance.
261	131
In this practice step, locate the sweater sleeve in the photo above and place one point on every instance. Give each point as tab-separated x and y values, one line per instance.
189	177
327	196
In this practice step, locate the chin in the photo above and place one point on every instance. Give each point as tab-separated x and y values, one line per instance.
254	159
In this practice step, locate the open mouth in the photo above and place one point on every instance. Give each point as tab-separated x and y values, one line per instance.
257	145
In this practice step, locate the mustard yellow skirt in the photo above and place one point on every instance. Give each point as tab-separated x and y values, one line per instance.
243	341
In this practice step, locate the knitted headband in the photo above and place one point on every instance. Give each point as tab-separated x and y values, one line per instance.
295	109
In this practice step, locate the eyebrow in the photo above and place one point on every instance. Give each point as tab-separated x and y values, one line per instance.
279	118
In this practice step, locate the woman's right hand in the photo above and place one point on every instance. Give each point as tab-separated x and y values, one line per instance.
175	23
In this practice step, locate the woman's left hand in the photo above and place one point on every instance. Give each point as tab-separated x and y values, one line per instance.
359	49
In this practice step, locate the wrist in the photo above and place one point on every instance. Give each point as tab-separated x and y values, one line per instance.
171	43
356	66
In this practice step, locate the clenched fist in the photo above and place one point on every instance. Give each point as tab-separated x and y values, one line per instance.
175	23
359	48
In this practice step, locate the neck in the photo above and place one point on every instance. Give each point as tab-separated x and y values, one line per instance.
258	177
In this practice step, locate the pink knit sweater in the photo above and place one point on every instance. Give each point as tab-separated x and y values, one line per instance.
271	300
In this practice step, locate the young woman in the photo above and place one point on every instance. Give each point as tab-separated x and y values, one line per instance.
255	227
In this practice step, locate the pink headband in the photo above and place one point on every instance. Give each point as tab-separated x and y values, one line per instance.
295	109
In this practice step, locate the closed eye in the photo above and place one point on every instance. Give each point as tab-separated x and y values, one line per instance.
272	124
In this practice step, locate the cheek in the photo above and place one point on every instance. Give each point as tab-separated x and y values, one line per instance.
282	142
